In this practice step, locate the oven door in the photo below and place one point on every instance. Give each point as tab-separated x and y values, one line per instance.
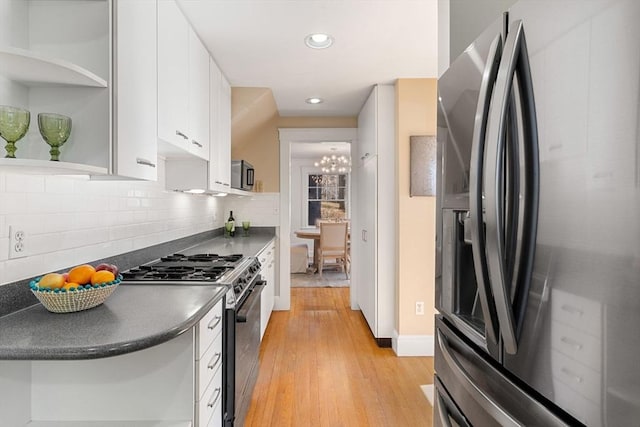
247	348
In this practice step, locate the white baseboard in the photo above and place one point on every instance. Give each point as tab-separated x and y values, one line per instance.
412	345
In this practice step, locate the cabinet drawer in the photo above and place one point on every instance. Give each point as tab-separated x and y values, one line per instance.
210	405
578	312
208	328
577	345
267	254
209	364
584	380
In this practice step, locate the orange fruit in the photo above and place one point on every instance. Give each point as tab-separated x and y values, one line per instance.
52	281
70	285
102	276
81	274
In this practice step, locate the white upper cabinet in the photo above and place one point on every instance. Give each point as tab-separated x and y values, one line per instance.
173	76
198	96
135	124
183	85
215	175
224	139
220	130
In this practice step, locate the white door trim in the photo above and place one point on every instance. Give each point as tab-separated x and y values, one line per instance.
287	137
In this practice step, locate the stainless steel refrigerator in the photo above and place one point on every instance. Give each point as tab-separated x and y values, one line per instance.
538	269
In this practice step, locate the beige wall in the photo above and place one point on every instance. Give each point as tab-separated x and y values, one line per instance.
254	131
415	115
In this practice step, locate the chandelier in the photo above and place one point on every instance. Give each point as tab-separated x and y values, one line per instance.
334	164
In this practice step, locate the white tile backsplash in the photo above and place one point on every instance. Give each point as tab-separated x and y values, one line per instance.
261	209
71	220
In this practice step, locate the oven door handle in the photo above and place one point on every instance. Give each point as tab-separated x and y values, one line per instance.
249	302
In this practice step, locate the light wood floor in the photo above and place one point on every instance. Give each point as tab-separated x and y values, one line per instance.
319	366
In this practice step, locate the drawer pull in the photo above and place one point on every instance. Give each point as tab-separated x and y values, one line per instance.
214	322
215	397
572	343
576	378
196	143
178	133
571	309
214	360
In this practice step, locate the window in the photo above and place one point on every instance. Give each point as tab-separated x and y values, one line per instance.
327	197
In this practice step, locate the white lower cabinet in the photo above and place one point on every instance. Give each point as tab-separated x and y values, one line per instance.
210	407
209	360
267	258
174	384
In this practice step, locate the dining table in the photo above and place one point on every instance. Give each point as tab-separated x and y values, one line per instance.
313	234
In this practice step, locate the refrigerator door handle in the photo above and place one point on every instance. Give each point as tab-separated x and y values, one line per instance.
526	245
475	188
514	60
481	398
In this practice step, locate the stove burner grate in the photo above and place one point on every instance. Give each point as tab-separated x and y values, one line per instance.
201	258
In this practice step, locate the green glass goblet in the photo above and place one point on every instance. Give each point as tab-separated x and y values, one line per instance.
14	123
245	228
55	129
228	226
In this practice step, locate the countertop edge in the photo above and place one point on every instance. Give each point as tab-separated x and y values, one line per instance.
114	349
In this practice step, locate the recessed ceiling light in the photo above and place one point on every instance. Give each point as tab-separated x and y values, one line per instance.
313	100
318	41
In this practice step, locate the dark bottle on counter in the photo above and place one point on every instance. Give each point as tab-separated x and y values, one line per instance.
232	221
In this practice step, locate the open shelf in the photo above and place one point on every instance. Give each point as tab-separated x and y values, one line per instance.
47	167
32	69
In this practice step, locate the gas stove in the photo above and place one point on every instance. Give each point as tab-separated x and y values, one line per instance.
235	271
198	267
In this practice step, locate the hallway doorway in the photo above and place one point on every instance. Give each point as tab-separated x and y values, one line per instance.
295	210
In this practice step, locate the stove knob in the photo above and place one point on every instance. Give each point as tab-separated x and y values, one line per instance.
237	288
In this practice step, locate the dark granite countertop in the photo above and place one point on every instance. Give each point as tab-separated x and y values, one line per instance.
133	318
248	246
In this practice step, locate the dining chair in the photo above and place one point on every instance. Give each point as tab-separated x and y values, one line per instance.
333	246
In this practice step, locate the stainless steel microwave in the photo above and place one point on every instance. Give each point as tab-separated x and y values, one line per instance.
242	175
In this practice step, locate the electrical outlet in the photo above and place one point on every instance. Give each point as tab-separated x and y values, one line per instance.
17	242
420	308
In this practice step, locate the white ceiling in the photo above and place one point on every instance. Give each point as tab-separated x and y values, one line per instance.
260	43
